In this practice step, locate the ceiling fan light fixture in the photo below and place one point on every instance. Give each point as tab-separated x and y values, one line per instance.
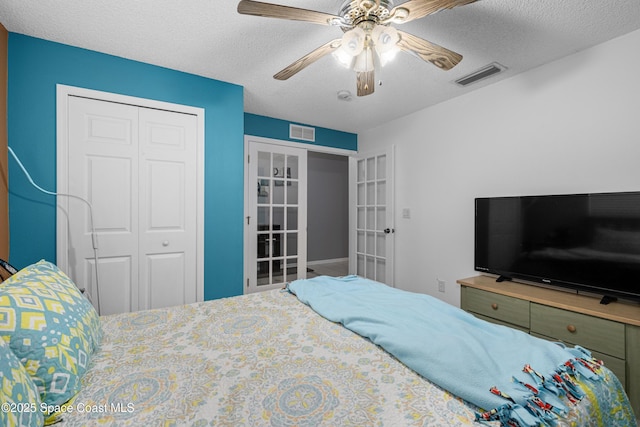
351	46
343	58
387	57
360	45
365	61
385	40
369	41
353	41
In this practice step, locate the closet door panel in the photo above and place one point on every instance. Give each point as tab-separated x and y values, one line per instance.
103	169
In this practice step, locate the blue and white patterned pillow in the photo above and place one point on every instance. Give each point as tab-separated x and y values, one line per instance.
18	394
51	328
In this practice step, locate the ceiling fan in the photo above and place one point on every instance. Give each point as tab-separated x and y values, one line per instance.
369	40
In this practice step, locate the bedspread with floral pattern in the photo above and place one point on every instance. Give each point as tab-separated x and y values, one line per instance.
263	359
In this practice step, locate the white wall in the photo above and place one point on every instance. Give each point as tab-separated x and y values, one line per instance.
568	126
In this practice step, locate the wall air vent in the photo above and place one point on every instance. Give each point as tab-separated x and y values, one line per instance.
482	73
303	133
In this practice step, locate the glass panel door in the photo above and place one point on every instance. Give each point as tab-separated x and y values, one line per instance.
372	210
276	221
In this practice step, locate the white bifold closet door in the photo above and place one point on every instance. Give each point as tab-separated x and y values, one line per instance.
137	167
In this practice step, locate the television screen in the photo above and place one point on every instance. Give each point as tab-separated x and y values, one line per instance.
587	242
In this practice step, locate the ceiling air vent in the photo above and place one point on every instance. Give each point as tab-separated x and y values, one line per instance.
482	73
303	133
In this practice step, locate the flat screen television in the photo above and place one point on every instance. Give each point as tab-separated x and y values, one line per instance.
586	242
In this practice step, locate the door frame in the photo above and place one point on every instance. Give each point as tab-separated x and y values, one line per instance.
248	191
63	92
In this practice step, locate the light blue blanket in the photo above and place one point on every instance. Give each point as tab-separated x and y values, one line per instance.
449	346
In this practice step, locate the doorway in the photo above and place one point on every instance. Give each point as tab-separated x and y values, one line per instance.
328	214
321	214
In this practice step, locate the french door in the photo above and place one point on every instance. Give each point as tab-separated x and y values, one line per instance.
372	220
276	217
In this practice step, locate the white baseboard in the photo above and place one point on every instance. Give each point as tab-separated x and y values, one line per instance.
327	261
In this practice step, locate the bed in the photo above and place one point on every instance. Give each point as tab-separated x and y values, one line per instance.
264	359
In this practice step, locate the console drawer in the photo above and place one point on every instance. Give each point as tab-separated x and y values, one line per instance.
507	309
592	333
617	366
500	322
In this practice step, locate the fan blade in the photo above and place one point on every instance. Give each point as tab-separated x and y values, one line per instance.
269	10
439	56
414	9
365	82
308	59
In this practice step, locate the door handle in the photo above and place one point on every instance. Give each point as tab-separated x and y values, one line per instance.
389	230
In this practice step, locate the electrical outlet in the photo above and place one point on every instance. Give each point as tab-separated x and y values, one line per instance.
441	284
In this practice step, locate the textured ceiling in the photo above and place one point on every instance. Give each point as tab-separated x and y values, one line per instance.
209	38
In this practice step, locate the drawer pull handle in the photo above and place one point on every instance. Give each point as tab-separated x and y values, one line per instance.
494	306
572	329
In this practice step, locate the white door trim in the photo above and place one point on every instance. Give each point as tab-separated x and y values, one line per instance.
308	147
63	92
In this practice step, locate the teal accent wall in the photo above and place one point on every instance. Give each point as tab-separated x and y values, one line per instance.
36	66
268	127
